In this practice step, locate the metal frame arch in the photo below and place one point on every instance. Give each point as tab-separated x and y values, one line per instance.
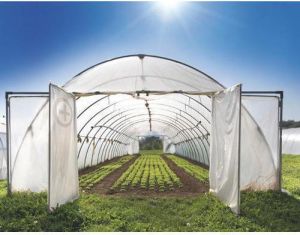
123	124
114	127
183	125
137	106
173	119
163	121
181	110
176	114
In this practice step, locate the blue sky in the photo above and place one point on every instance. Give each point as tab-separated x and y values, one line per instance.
255	43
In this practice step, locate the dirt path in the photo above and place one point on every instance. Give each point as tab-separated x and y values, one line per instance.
103	187
190	184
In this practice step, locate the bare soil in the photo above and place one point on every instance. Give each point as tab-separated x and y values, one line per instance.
190	185
103	187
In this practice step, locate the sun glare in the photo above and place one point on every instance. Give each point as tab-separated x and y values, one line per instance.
168	7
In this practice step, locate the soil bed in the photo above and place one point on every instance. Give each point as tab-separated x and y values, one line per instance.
190	185
92	168
190	160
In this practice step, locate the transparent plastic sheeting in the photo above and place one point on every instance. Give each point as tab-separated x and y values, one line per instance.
225	146
133	147
3	165
108	124
28	143
134	73
168	146
291	141
63	177
260	159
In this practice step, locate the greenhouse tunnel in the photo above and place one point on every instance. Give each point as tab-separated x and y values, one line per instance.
109	124
114	102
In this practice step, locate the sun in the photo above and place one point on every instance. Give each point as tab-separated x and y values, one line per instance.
168	8
169	5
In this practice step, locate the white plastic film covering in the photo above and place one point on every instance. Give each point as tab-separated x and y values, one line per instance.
291	141
168	146
184	118
224	149
131	73
133	147
260	158
29	127
3	165
63	176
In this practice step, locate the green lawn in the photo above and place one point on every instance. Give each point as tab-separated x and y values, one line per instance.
291	174
260	211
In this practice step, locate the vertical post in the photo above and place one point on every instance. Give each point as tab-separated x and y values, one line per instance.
49	147
8	142
239	151
280	139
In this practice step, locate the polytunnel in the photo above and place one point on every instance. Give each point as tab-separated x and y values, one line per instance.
291	141
101	112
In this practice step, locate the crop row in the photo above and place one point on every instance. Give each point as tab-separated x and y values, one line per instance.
88	180
148	172
196	171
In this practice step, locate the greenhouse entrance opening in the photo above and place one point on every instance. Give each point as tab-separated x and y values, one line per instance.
151	141
99	115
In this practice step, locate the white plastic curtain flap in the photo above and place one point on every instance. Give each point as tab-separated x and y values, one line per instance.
63	165
225	146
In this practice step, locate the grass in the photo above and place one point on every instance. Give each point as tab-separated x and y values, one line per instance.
87	181
3	188
28	212
148	172
291	174
190	168
264	211
260	211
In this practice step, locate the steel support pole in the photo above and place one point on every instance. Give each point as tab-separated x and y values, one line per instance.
8	149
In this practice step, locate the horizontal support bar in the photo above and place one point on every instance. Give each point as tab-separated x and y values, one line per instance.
262	92
137	93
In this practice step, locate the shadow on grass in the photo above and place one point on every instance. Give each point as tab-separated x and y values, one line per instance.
273	210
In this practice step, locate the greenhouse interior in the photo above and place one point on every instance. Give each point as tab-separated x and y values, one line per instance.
101	113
